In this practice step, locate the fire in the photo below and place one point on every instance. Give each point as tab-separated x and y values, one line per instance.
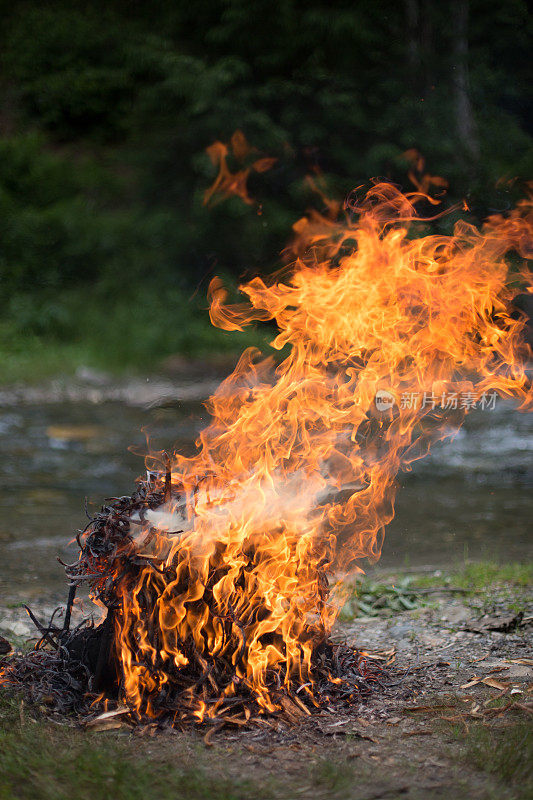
293	482
423	181
228	183
222	575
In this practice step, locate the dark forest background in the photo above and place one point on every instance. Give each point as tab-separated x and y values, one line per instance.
106	109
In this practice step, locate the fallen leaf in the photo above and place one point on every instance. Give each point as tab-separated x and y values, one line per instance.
148	730
380	655
334	728
239	721
423	709
104	725
108	716
5	647
495	684
301	705
472	682
292	710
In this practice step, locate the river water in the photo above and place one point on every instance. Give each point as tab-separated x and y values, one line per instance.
471	497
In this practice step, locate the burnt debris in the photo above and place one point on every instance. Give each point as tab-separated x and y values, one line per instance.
78	669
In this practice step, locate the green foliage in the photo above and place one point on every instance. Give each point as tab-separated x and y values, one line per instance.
73	69
107	109
376	598
56	223
388	597
54	333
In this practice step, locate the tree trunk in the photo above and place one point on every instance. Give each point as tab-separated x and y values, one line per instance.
413	44
464	115
426	43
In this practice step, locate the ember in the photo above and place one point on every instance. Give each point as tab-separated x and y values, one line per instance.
222	574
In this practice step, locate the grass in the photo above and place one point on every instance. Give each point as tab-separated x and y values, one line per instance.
505	752
335	776
44	761
483	575
396	594
31	359
44	338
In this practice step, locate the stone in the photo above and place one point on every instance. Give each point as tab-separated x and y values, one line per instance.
15	627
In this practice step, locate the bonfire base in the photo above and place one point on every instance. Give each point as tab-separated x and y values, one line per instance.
79	671
74	673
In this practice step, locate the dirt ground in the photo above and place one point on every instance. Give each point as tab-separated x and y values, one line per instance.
453	667
406	740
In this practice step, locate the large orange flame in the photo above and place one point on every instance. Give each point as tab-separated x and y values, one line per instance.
294	478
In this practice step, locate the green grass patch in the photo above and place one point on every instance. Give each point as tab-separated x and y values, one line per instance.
48	337
333	776
44	761
396	594
504	751
482	575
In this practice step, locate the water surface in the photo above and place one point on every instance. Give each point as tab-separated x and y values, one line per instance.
471	496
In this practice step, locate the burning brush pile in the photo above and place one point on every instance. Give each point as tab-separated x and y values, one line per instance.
222	575
192	663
